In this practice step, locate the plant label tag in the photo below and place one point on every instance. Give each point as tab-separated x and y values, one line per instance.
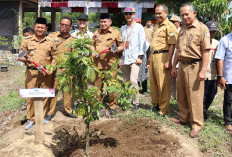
36	93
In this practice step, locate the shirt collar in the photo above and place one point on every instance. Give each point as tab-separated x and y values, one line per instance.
164	22
35	39
109	30
67	36
194	24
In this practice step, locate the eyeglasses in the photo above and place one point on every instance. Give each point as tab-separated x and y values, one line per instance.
130	13
64	25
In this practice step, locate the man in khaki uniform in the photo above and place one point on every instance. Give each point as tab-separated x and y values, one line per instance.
162	48
193	45
176	21
41	50
104	38
61	39
148	30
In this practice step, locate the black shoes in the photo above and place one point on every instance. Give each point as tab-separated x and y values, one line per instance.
155	108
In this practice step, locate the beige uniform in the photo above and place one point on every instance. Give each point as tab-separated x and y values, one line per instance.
61	49
149	33
103	41
42	52
164	35
191	43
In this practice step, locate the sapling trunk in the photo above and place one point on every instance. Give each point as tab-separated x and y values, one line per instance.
87	139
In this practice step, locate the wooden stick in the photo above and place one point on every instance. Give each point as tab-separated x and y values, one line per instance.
39	121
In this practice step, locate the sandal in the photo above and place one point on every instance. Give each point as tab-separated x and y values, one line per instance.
229	128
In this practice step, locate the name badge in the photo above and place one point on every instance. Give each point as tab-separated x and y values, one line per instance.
127	44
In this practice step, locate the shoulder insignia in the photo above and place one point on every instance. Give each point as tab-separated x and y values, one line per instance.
49	38
172	34
27	37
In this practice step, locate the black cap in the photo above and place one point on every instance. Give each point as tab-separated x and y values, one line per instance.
41	20
212	26
83	17
105	16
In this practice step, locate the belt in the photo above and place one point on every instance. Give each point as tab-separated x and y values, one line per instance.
161	51
32	68
190	62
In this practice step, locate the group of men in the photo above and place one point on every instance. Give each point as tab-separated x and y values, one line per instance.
192	45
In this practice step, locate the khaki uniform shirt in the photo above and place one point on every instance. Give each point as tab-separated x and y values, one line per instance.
102	41
192	41
60	43
211	73
164	34
149	32
42	52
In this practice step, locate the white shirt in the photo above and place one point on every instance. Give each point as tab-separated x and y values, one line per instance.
135	34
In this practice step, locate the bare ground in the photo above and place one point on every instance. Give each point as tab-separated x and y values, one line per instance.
109	137
64	136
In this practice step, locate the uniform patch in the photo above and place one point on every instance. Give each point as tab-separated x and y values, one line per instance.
56	40
32	52
172	34
207	35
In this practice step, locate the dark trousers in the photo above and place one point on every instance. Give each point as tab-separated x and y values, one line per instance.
227	105
209	93
144	86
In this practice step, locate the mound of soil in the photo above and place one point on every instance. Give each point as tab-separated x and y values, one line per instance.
64	137
134	137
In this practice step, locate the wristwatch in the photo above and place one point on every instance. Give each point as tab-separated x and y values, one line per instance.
218	77
141	57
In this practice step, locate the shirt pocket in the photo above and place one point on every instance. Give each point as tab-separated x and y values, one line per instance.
162	36
195	39
31	49
110	42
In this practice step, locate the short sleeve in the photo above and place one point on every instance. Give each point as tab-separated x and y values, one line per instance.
205	40
24	45
119	40
221	50
94	38
171	34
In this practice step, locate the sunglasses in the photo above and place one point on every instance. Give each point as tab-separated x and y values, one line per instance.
130	13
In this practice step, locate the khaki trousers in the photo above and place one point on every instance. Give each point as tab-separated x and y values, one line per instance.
36	79
131	73
190	94
67	97
160	82
112	96
173	88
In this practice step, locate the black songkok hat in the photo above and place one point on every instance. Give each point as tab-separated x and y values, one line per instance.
41	20
105	16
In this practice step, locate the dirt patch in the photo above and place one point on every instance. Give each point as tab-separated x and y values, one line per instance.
134	137
109	137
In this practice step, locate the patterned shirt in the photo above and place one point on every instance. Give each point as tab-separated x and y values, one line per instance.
211	73
79	35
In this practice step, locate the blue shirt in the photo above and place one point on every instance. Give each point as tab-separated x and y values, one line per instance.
135	34
224	52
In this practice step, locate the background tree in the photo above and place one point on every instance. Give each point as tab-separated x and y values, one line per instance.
215	10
